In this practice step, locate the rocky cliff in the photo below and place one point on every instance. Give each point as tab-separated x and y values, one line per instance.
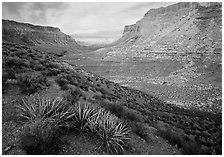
173	52
183	27
32	35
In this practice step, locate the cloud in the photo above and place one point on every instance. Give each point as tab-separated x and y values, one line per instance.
11	9
35	12
80	18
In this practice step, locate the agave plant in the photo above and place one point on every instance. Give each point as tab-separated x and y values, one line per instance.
45	116
83	112
40	108
113	132
93	122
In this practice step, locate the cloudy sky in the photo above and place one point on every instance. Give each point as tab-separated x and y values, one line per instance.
86	19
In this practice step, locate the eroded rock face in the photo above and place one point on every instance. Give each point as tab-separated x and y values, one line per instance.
173	52
131	29
185	27
28	34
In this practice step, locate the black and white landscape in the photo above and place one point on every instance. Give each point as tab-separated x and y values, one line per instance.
112	78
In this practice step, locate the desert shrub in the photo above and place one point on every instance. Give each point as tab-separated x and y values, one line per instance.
131	115
52	72
93	122
44	117
218	149
73	95
82	112
39	108
70	78
14	62
61	80
187	147
191	148
98	97
140	129
40	138
5	77
172	137
116	109
112	131
31	82
39	67
122	111
53	65
84	87
65	70
20	52
64	87
103	91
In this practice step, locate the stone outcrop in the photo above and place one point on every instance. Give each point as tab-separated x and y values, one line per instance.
183	27
131	29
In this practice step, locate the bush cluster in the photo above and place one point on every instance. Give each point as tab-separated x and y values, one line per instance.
45	117
31	82
122	111
187	147
23	63
73	95
112	131
136	121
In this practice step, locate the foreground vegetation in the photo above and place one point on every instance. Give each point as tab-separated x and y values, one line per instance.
46	118
95	106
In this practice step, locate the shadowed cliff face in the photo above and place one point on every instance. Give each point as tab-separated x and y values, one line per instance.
27	34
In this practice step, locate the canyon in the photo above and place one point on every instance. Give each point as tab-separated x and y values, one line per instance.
172	52
163	77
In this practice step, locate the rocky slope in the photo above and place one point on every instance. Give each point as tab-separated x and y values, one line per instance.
21	60
43	38
173	52
189	131
28	34
182	27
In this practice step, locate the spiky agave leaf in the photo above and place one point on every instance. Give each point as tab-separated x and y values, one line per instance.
39	108
83	112
113	132
93	122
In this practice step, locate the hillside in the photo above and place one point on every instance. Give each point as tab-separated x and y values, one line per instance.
44	38
155	91
27	34
148	118
44	74
182	27
173	52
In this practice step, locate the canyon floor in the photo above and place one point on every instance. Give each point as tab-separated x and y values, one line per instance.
189	81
